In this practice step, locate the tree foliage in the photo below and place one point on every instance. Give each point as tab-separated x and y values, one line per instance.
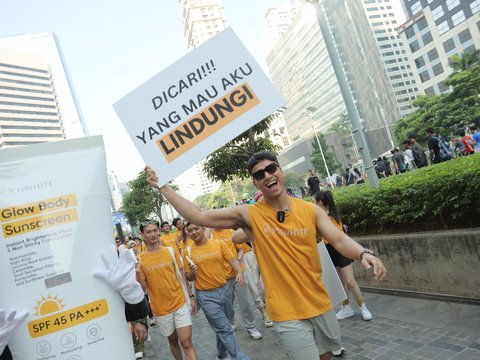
142	201
465	61
317	159
342	126
231	159
447	113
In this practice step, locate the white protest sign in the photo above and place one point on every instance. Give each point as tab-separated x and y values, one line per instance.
196	105
330	276
55	220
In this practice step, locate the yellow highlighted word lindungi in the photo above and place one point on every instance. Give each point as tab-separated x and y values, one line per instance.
39	222
68	318
38	207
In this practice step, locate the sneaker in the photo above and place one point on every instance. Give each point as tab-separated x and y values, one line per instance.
339	352
254	334
366	315
153	322
149	338
267	322
234	327
222	358
345	312
139	355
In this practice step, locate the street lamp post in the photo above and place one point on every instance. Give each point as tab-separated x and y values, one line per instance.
309	112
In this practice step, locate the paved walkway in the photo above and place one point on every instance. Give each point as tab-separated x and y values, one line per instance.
402	328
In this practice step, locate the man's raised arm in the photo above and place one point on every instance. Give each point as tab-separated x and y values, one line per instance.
221	218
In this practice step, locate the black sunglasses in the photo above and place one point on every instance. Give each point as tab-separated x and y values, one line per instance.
260	174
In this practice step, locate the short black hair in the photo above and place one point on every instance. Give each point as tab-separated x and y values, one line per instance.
473	127
430	130
174	221
406	141
412	136
148	222
259	156
164	223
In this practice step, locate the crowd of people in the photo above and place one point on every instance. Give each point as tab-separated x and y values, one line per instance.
263	254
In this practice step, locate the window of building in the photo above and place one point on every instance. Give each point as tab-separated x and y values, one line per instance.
475	6
443	27
442	87
437	13
424	76
419	62
422	24
427	38
416	7
437	69
458	17
451	4
469	49
432	55
414	46
374	16
464	36
430	91
410	32
448	45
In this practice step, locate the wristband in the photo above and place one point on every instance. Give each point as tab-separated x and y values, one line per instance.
366	251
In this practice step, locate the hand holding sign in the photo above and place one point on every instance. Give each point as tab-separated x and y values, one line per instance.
120	274
8	325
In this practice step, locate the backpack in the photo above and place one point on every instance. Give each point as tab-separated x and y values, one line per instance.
418	156
444	149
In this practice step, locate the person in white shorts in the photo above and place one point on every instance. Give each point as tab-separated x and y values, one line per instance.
161	272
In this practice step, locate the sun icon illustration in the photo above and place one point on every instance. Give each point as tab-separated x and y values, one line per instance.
48	305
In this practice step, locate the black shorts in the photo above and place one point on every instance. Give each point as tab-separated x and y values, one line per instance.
337	258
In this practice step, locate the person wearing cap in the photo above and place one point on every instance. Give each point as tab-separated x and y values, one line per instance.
284	230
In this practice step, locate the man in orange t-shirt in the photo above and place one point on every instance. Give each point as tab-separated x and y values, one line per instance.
245	300
168	238
158	271
206	265
284	229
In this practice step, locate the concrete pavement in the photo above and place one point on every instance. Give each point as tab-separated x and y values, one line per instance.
402	328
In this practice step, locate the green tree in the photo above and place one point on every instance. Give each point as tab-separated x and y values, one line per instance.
294	180
203	200
317	160
142	201
465	61
231	159
447	113
342	126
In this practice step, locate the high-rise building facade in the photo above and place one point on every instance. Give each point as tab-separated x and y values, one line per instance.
202	19
29	112
277	20
436	30
47	47
301	70
383	20
301	67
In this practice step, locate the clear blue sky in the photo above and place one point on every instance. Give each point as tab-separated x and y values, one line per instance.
111	47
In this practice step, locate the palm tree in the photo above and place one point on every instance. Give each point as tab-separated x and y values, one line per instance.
465	61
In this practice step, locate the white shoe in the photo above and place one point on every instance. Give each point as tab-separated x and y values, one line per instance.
149	338
345	312
139	355
234	327
254	334
366	315
338	352
267	322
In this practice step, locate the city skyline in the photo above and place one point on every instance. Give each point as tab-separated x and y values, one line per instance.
108	57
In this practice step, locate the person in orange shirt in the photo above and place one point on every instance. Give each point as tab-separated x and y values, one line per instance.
284	229
158	271
168	238
206	266
245	301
